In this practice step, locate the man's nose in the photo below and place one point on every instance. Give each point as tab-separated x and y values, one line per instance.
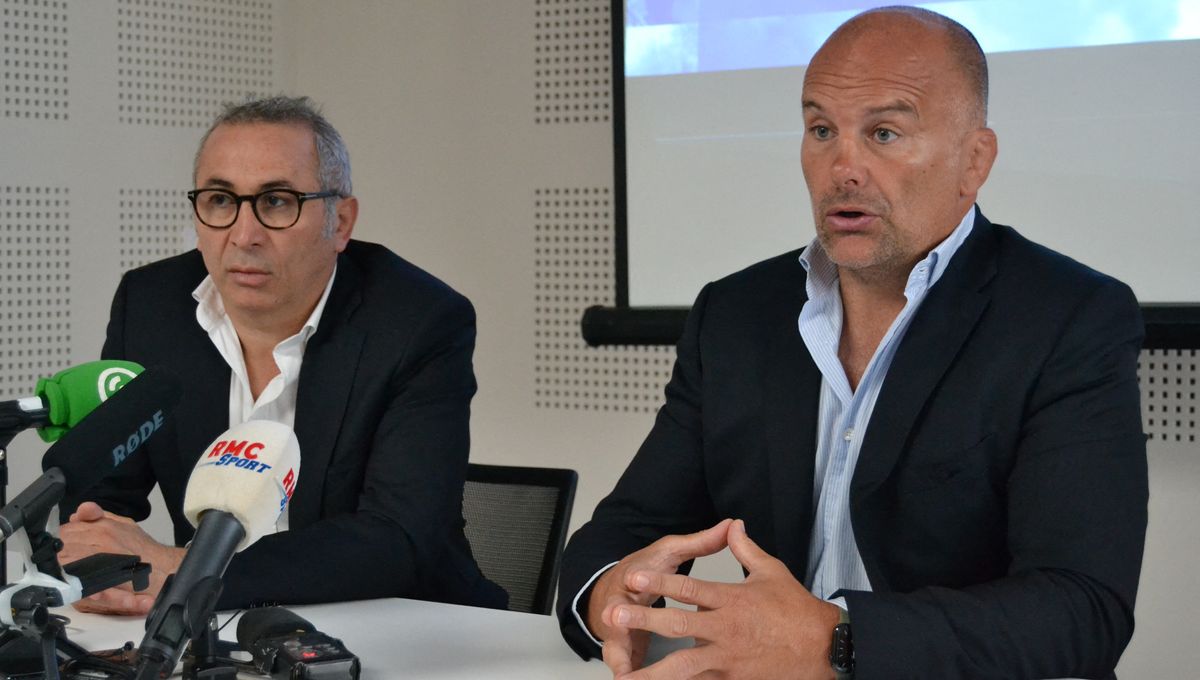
246	230
848	163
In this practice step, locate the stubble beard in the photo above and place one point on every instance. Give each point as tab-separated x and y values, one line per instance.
883	260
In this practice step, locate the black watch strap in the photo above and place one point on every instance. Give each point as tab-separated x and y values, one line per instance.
841	651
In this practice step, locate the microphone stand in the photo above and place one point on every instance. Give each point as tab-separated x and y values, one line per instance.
185	605
25	605
10	426
6	437
3	502
208	658
28	605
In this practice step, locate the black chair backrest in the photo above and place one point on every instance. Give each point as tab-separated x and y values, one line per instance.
517	519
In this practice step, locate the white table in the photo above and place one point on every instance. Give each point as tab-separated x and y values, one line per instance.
398	638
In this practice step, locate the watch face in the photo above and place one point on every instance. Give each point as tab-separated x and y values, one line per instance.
841	652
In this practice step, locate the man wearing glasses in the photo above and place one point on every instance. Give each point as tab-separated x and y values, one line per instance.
278	315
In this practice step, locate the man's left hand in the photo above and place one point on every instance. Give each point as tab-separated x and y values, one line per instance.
91	530
768	626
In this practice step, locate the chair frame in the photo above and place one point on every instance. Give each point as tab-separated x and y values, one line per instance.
562	479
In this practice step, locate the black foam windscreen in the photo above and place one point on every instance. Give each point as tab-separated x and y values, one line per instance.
115	430
268	622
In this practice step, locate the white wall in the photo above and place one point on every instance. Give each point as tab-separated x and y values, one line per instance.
436	100
117	141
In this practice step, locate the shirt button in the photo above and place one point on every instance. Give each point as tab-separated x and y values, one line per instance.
849	436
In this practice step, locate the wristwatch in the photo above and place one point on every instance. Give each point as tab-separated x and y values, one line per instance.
841	652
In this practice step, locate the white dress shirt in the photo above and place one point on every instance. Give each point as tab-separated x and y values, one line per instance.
277	402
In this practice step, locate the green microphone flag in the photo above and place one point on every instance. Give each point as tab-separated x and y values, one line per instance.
73	393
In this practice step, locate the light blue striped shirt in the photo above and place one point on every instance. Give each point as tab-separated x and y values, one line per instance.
834	562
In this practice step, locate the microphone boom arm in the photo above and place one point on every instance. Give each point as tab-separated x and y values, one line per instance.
189	596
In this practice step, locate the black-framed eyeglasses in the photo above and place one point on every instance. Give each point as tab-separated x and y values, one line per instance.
274	208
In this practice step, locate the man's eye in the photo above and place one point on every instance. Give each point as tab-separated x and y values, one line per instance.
884	135
274	201
218	200
821	132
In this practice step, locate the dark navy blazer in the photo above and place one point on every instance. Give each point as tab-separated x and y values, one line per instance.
999	501
382	419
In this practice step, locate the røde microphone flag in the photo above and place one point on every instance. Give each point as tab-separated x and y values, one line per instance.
94	447
237	491
115	430
61	401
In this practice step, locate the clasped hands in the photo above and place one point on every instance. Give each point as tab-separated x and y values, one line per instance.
767	626
91	530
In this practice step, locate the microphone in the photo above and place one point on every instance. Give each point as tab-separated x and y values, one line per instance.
94	446
284	645
238	489
86	454
63	400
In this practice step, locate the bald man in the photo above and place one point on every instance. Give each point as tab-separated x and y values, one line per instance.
920	435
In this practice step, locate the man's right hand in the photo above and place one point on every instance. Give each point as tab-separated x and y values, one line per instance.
91	530
624	650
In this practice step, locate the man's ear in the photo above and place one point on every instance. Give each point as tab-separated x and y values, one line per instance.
347	215
981	149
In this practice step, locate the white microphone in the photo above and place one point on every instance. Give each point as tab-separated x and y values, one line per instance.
238	489
249	472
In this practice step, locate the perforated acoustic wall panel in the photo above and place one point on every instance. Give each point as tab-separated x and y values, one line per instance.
179	60
102	104
152	224
573	269
1168	382
35	285
571	61
34	54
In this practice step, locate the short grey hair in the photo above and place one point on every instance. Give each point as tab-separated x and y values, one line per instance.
333	159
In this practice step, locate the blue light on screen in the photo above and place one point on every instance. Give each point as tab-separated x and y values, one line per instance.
664	37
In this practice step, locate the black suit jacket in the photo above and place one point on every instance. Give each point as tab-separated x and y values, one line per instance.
382	420
999	500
